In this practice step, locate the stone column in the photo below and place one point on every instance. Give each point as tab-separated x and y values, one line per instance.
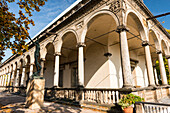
5	82
9	77
23	76
42	67
156	76
149	66
31	69
1	81
162	68
56	69
12	78
125	58
168	59
17	78
81	64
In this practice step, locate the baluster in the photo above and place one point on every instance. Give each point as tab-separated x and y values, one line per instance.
110	99
149	108
106	96
159	109
94	98
113	94
102	99
88	95
82	95
167	110
117	96
145	109
156	109
163	109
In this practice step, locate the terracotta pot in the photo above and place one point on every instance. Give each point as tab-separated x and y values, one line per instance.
128	110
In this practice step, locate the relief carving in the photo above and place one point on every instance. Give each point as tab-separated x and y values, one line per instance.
115	6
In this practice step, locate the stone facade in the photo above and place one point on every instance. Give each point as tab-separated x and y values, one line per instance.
102	44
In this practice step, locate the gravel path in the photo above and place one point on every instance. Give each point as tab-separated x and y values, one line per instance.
16	104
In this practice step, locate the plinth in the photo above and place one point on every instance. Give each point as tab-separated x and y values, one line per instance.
35	93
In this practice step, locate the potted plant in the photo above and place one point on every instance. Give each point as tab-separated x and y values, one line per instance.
127	102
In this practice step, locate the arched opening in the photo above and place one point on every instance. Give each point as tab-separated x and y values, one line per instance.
27	71
164	54
102	53
137	55
20	72
15	74
49	66
68	70
154	46
11	76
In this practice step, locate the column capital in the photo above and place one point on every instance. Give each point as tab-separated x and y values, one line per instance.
31	64
24	66
158	51
145	43
57	54
121	28
167	56
81	44
42	59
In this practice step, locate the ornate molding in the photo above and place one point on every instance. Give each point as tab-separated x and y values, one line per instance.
81	44
79	25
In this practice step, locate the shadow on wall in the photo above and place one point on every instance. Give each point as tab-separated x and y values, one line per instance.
94	60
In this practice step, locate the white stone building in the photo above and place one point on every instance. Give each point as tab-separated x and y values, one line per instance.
104	46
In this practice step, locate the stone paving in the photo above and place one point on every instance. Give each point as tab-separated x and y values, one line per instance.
16	104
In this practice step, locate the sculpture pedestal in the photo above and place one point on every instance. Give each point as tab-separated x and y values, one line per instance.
35	93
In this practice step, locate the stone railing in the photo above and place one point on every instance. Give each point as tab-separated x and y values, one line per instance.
148	107
84	95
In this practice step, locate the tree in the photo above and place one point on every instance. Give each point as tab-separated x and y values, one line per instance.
14	30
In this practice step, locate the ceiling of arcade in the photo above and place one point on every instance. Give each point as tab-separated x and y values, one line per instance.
101	30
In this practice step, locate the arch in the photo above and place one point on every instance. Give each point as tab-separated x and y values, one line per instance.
164	47
61	39
154	38
138	21
92	16
49	64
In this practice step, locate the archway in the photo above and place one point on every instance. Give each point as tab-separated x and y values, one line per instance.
68	70
154	46
27	71
49	66
135	36
102	53
20	72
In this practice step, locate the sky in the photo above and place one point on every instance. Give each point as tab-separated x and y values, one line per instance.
53	8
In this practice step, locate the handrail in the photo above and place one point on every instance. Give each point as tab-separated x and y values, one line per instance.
151	103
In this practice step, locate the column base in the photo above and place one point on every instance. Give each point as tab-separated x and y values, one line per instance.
128	86
80	86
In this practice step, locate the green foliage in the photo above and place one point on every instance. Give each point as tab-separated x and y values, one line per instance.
14	30
168	30
129	99
166	69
